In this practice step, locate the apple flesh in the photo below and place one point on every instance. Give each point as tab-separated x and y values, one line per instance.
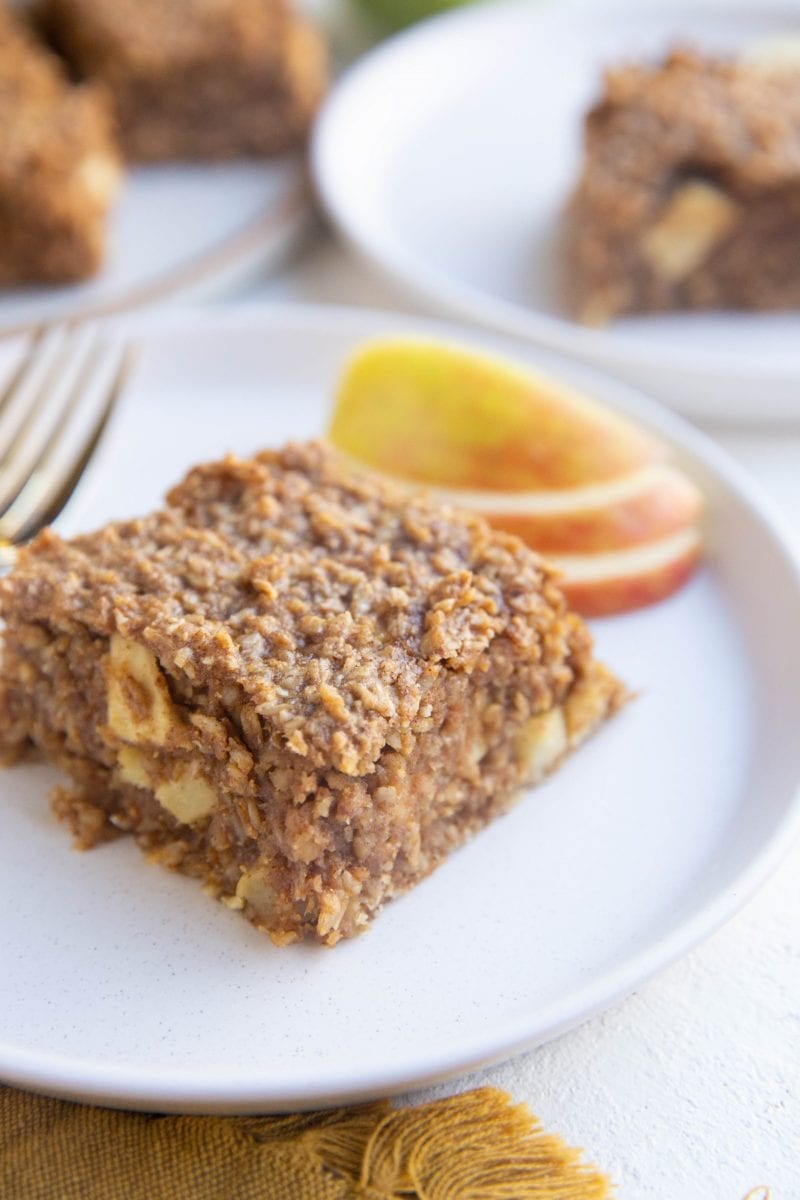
579	483
436	414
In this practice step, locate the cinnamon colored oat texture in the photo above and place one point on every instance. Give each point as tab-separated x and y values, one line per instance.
196	79
59	166
300	686
689	194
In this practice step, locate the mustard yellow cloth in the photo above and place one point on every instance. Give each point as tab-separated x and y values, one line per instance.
474	1146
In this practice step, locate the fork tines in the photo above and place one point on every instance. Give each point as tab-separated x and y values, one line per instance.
52	414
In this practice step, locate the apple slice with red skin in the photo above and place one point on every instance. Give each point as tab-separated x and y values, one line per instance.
578	482
601	585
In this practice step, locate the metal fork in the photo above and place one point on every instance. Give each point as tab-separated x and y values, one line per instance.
53	411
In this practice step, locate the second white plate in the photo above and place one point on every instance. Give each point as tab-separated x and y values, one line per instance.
446	156
123	983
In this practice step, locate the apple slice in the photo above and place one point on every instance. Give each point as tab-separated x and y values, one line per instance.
601	585
644	505
437	414
579	483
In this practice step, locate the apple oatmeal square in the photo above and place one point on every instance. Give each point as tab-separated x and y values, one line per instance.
196	79
301	686
689	196
59	168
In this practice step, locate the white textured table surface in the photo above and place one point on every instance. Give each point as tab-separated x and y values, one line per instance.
690	1089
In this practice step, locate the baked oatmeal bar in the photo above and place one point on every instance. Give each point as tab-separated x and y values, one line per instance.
689	196
59	169
196	79
303	687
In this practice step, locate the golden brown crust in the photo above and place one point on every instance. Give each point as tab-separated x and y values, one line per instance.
332	601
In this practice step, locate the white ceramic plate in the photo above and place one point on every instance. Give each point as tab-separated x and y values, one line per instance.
123	983
179	231
446	155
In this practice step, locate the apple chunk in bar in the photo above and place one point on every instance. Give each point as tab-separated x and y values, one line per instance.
299	685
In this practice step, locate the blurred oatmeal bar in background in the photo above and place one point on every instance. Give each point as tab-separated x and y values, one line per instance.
196	79
689	195
59	167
